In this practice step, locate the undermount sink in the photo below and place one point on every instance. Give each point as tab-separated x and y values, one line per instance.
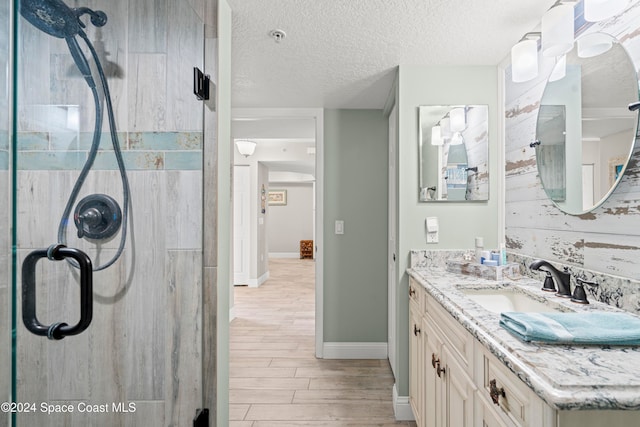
502	300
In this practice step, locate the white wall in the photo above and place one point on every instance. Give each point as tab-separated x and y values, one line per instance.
290	223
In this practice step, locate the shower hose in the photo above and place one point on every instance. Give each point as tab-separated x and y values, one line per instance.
64	221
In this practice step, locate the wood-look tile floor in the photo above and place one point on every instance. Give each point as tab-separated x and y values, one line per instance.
275	379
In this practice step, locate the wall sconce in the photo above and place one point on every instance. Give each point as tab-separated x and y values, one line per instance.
524	58
245	147
436	135
457	119
597	10
557	29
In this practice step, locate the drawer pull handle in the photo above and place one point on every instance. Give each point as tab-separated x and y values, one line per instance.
416	330
412	292
440	370
434	361
496	392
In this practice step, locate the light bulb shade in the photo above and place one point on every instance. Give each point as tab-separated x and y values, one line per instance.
524	61
560	69
457	139
246	147
593	44
597	10
457	120
436	135
445	128
557	30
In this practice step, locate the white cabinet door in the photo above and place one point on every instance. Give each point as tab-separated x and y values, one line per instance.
416	362
459	392
433	401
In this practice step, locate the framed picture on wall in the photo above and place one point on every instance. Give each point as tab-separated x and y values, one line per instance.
277	197
615	168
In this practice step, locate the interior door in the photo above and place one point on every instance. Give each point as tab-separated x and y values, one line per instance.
241	219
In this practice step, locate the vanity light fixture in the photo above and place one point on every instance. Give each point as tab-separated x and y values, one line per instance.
593	44
436	135
597	10
457	139
245	147
558	29
457	119
559	70
524	58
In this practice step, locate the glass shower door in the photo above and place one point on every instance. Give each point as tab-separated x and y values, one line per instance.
107	161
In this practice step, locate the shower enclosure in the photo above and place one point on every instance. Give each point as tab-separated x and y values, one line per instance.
138	360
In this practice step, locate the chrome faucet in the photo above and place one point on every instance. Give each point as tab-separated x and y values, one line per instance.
562	278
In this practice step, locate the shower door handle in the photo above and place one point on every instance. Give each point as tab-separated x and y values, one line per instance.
59	330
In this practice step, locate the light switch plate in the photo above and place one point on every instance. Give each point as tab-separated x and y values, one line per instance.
339	227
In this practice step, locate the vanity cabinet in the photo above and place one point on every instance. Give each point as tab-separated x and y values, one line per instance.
441	392
455	381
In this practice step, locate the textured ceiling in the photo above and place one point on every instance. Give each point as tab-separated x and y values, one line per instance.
342	53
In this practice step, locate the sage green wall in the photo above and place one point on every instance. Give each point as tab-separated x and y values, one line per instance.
460	222
355	191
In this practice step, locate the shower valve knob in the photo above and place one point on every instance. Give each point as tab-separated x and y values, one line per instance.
98	217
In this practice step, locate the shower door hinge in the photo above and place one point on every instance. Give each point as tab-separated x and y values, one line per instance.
202	418
201	84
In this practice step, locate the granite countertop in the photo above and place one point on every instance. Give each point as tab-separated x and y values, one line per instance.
567	377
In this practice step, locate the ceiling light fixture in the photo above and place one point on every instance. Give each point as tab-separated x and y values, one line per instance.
597	10
245	147
557	29
524	58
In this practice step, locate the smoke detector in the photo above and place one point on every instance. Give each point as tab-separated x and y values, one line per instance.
277	35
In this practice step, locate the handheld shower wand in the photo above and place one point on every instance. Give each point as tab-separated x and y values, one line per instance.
55	18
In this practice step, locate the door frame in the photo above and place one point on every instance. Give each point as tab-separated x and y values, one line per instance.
318	115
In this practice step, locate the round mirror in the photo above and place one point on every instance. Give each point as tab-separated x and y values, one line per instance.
585	132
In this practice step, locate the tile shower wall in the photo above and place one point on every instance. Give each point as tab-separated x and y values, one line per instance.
144	345
604	243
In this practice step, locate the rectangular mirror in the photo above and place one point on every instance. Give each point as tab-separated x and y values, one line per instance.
453	147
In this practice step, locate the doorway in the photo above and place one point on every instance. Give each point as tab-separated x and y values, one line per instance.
304	125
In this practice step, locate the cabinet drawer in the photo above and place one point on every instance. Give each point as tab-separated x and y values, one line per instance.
455	335
503	390
416	292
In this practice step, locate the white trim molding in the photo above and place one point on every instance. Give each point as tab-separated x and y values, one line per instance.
284	254
354	350
401	407
255	283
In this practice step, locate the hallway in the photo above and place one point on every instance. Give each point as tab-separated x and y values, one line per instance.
275	379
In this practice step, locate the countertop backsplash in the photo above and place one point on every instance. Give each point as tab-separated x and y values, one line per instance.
616	291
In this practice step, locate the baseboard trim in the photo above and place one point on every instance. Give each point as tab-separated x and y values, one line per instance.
284	255
255	283
402	407
354	350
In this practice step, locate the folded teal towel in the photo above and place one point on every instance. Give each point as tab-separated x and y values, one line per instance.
598	328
